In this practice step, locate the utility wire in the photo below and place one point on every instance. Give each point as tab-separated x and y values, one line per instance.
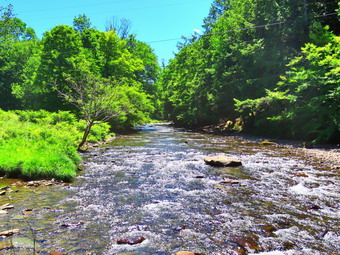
240	29
223	32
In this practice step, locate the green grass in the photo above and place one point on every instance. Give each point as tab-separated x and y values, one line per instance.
42	145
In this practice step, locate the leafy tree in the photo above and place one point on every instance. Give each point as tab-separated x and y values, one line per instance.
117	59
306	101
81	23
12	28
245	50
149	74
94	97
218	7
62	55
17	45
100	99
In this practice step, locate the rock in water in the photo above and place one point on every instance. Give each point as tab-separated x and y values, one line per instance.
10	232
56	253
222	161
186	253
131	240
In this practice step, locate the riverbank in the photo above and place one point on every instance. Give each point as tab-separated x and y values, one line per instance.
328	155
37	145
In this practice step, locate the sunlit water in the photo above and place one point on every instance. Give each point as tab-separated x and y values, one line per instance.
155	184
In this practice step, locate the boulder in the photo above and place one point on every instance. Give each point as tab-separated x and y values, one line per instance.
131	240
6	207
222	161
186	253
10	232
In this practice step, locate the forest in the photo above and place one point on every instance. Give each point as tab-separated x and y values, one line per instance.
269	68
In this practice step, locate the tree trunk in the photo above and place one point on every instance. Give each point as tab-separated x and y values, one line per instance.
86	134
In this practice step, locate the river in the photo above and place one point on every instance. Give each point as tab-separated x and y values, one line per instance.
155	185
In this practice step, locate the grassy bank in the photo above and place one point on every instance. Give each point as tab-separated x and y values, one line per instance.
42	145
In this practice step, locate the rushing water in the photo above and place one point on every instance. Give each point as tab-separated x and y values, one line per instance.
155	184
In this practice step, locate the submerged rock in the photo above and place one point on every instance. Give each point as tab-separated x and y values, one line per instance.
56	253
179	228
313	207
131	240
5	246
222	161
199	177
250	242
72	225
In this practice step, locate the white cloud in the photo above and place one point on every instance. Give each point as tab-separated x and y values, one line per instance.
197	31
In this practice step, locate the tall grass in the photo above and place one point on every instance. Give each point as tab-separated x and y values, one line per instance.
42	145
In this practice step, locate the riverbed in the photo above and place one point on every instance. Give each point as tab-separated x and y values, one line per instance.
155	186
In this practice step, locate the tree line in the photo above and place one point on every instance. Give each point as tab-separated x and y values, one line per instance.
97	75
59	92
264	67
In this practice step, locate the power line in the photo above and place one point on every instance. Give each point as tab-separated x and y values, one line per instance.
227	31
240	29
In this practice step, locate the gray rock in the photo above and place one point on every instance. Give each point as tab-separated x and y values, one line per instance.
131	240
222	161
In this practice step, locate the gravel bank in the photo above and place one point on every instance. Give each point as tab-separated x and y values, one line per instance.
330	157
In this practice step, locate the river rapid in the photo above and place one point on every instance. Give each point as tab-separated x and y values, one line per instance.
154	185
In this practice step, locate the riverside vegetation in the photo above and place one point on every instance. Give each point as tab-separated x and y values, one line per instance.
264	67
39	144
58	92
270	68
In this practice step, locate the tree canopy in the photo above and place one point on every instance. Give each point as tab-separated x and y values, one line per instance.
233	72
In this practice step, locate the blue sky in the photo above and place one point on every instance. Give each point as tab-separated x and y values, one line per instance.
152	20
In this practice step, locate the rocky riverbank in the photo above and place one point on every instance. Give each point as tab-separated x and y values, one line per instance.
328	155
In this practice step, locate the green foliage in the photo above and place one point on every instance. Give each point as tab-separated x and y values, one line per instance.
66	56
17	46
81	23
306	101
35	145
136	108
246	48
